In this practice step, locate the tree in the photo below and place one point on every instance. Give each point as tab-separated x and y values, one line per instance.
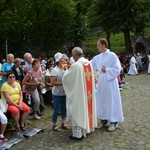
4	23
121	16
81	25
36	25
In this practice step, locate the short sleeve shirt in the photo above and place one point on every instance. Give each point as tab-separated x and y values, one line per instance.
33	79
13	92
58	90
6	67
28	65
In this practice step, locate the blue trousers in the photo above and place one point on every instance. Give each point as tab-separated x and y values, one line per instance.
59	105
104	122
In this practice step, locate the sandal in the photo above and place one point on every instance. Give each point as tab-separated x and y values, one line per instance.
56	128
18	129
64	126
23	128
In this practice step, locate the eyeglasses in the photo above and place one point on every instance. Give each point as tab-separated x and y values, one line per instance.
11	77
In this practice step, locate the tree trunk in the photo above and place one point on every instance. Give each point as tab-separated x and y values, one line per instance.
128	48
108	39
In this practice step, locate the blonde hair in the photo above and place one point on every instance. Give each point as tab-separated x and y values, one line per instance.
10	55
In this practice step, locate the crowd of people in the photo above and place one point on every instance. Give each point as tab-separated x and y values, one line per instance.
135	64
82	90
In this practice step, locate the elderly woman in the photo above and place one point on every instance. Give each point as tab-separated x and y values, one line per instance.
59	96
28	67
19	74
11	91
33	81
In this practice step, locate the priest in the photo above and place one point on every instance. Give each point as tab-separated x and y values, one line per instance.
79	86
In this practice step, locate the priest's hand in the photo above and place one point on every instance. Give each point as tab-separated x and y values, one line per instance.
103	69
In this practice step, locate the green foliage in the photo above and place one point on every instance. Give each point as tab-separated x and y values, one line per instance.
147	32
46	26
117	42
36	25
117	16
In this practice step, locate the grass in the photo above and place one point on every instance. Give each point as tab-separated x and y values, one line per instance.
117	41
147	32
90	43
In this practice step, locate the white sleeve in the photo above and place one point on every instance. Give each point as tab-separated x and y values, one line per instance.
54	72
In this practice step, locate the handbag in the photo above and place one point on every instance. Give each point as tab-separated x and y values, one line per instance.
3	105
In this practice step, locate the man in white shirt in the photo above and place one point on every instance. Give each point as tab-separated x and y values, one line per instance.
108	100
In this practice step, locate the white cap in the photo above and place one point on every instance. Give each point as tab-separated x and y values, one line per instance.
43	65
58	56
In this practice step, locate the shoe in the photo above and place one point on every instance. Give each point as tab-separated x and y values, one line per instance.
35	116
75	138
41	113
18	129
31	113
99	126
112	127
23	128
120	86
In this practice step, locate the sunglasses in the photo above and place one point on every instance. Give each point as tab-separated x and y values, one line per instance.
11	77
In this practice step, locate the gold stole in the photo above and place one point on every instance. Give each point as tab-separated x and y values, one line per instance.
88	79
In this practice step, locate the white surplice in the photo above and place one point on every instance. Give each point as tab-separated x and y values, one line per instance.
108	100
76	95
132	69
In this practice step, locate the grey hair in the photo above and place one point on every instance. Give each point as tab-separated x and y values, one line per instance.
26	55
17	60
77	51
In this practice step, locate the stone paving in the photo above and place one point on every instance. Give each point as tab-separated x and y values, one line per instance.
133	134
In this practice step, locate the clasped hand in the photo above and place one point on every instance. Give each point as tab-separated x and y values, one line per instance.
20	107
103	69
37	83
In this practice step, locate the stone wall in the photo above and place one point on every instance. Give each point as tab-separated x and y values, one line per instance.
140	44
